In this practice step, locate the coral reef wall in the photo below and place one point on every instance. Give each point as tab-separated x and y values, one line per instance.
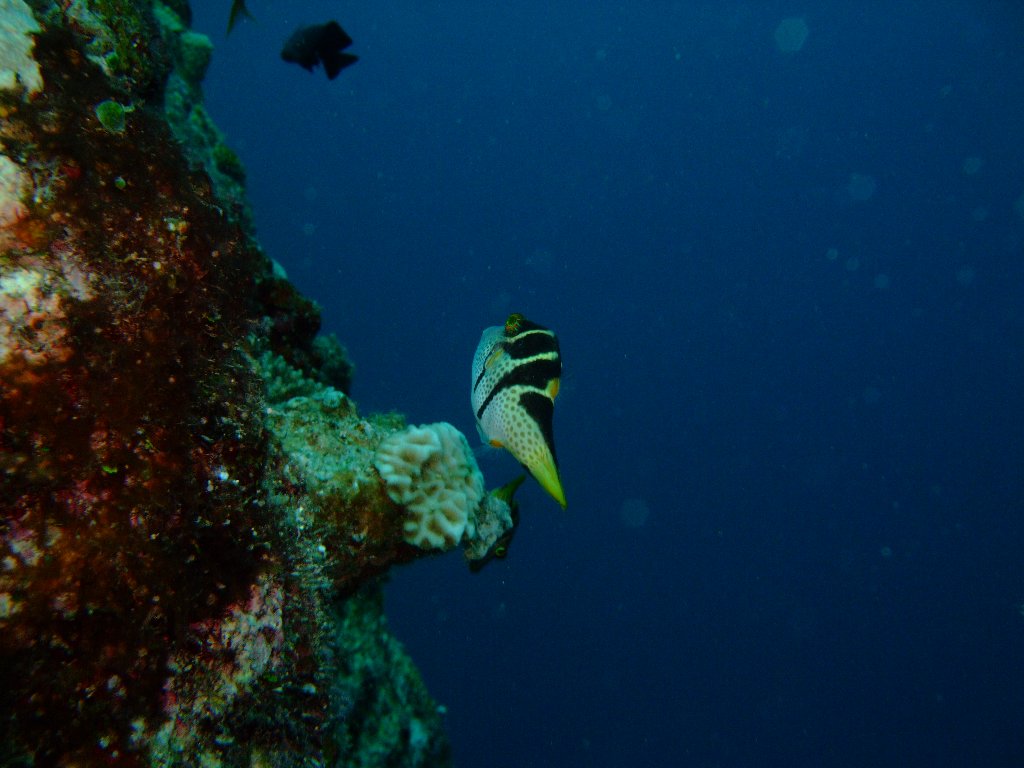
190	519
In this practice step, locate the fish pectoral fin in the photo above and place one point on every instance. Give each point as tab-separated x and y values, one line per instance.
494	357
496	443
553	388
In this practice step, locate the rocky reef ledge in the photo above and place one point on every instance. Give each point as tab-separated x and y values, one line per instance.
193	515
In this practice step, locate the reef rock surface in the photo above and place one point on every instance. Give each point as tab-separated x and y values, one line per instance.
190	520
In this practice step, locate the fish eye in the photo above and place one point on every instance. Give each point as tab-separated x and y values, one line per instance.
500	551
515	320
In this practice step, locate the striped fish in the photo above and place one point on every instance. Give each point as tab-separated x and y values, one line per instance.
516	371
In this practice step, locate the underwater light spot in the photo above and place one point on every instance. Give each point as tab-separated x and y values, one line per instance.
789	142
882	281
965	275
540	262
832	254
791	34
852	264
500	303
634	513
861	187
972	165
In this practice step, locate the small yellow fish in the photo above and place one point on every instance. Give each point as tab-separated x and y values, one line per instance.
516	371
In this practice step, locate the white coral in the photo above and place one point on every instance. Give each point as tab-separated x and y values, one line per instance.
430	470
33	310
16	63
14	187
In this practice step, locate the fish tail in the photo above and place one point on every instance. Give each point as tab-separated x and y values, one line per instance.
238	10
335	61
545	471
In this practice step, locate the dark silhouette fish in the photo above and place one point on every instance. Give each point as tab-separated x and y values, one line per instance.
320	44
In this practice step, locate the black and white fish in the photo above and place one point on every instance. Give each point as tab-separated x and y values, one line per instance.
516	372
320	44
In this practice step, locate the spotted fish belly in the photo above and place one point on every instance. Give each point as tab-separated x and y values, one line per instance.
516	370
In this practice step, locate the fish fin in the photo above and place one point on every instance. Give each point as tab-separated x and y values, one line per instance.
238	11
335	36
495	443
553	388
335	61
507	492
486	452
494	357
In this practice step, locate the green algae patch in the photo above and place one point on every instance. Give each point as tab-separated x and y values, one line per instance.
228	163
111	115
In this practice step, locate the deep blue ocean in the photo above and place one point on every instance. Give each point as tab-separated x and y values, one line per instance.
782	244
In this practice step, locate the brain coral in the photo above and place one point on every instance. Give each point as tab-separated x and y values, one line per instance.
430	470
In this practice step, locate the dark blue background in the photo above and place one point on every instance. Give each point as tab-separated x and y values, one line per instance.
829	443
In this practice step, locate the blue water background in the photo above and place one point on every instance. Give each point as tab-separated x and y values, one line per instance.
789	288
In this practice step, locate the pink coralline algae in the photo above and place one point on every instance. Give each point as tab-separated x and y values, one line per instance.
236	650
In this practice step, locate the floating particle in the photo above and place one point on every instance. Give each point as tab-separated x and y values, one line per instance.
861	187
882	281
791	34
972	165
832	254
500	303
852	264
540	262
789	142
634	513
